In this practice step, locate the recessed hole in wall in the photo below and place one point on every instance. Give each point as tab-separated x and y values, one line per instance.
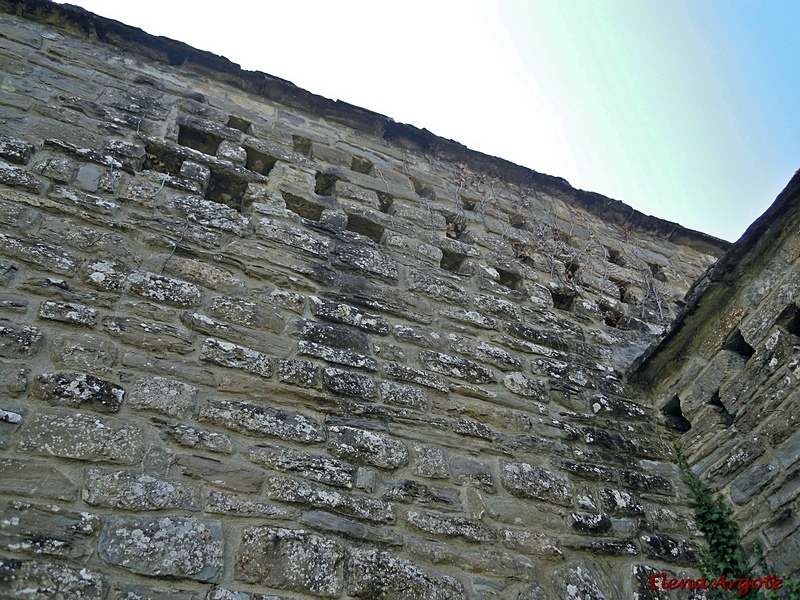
325	184
361	165
159	158
672	410
719	407
455	227
738	344
469	203
225	188
258	161
238	123
562	301
509	279
423	190
571	270
518	222
202	141
614	318
359	224
623	289
451	261
657	272
302	206
614	256
301	145
790	319
384	201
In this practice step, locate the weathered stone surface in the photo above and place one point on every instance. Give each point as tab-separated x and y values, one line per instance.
436	288
456	367
667	548
164	289
370	447
351	505
234	356
524	386
365	258
234	504
129	490
155	337
209	214
170	546
447	526
83	437
262	420
528	481
621	502
19	341
237	478
47	531
78	390
15	150
292	236
469	471
68	312
575	581
316	467
202	439
41	255
132	591
531	543
403	373
17	177
593	523
399	394
298	372
163	395
37	478
349	383
471	428
290	559
349	315
352	529
382	576
430	461
409	490
42	580
340	357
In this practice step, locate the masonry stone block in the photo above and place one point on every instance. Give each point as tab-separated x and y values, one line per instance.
262	420
369	447
78	390
167	546
315	467
133	491
528	481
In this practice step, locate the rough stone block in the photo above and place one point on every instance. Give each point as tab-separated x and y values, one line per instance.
38	579
302	373
469	471
290	559
593	523
456	367
19	341
403	373
285	489
234	504
78	390
39	254
531	543
68	312
451	527
668	549
292	236
348	383
130	490
333	355
348	315
164	289
408	396
376	574
209	214
169	546
437	288
410	490
155	337
528	481
228	475
351	529
366	258
15	150
18	177
83	437
262	420
234	356
163	395
576	581
367	447
316	467
47	531
202	439
37	478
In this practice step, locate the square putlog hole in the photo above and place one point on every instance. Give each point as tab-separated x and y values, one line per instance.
509	279
226	189
235	122
372	230
325	185
303	207
451	261
259	162
361	165
202	141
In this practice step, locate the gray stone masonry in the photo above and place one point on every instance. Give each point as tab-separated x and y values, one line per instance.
259	345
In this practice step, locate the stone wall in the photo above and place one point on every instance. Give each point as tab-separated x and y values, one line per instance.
727	377
255	344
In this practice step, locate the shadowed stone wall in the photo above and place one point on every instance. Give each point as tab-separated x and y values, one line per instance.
256	344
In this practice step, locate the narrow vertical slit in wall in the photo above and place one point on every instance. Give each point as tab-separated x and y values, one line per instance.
326	184
202	141
370	229
672	410
362	165
301	145
303	207
258	161
737	343
451	261
242	125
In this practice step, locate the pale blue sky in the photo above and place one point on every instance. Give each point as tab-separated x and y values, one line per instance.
687	110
